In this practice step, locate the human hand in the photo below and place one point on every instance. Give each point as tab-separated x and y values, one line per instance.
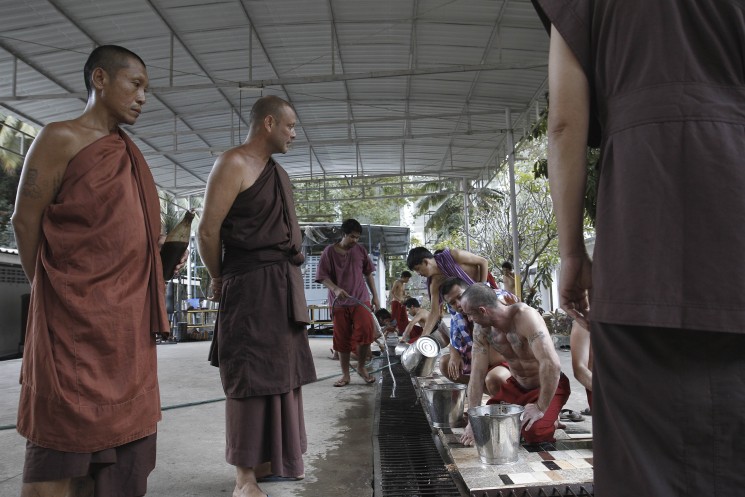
530	415
340	293
467	437
216	288
375	304
455	366
575	282
181	262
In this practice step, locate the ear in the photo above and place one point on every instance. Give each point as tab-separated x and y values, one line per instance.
99	77
269	122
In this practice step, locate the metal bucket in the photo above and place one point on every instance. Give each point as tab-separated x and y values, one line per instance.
419	358
446	404
441	338
399	350
496	431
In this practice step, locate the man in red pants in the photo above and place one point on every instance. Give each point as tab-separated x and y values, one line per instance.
397	301
519	333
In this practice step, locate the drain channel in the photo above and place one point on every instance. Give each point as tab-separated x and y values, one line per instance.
407	461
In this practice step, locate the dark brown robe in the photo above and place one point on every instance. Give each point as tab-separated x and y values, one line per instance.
667	308
667	84
261	345
89	375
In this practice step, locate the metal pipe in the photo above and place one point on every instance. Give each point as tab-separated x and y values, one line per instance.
513	203
466	221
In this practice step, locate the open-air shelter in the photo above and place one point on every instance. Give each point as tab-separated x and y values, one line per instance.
435	89
414	90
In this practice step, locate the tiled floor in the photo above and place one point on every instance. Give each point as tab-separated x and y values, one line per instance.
568	461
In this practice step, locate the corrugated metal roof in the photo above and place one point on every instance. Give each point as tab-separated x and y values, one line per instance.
381	87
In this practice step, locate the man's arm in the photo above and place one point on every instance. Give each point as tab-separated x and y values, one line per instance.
223	186
371	284
568	123
434	312
463	257
40	181
455	365
579	342
532	327
335	289
479	368
419	317
407	330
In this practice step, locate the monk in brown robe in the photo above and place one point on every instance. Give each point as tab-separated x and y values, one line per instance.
260	343
87	224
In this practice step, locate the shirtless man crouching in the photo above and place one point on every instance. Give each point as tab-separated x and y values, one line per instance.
457	364
519	333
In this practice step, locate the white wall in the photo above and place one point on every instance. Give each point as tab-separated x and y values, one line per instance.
315	293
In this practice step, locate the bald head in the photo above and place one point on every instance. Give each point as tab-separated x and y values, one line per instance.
270	105
110	58
479	295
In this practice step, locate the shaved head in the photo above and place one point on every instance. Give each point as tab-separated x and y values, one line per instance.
271	105
110	58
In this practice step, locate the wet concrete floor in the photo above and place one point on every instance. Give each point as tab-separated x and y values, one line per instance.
191	436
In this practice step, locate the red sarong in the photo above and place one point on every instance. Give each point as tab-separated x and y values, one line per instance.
398	311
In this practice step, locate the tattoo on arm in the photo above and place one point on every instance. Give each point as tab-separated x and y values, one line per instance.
536	335
30	186
479	348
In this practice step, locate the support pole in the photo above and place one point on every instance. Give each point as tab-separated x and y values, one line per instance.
513	202
170	63
466	223
15	76
250	52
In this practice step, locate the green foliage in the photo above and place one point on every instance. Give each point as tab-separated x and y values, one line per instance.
369	200
15	139
490	224
540	170
558	322
444	209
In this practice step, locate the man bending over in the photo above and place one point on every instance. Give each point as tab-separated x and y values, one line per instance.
519	333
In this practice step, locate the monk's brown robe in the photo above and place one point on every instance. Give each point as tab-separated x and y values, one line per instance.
89	374
261	345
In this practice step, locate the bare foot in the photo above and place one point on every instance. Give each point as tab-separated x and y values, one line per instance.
342	382
248	490
365	375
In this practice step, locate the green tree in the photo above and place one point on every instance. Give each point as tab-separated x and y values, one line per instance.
15	139
536	224
444	208
369	200
490	228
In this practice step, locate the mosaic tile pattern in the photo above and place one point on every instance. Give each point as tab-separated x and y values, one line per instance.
568	461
